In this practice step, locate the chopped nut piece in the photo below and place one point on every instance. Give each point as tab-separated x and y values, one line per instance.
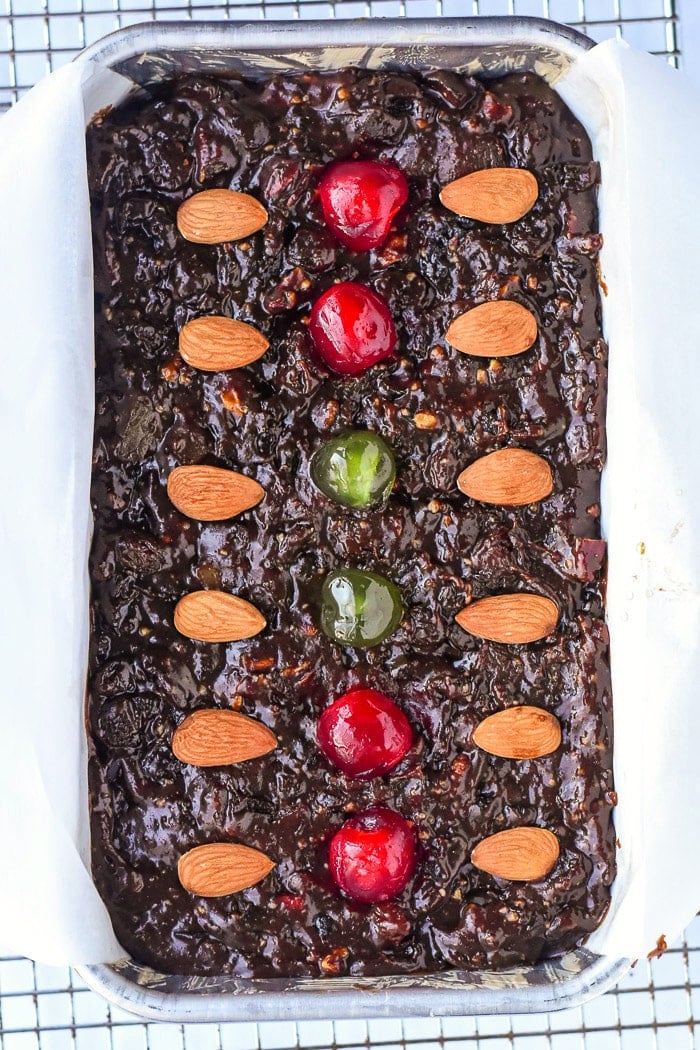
262	664
335	961
170	371
232	402
289	672
425	420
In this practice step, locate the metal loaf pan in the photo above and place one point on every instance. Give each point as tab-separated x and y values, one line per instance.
145	55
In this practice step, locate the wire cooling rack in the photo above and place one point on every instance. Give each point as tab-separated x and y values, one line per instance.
657	1006
41	35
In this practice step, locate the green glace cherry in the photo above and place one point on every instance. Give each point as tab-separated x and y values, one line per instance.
356	469
359	608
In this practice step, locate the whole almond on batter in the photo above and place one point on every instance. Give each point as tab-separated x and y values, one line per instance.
217	344
492	195
518	854
212	493
519	732
220	868
515	619
215	216
511	476
500	328
213	737
215	616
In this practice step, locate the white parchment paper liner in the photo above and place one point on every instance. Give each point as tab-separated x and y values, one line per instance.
644	120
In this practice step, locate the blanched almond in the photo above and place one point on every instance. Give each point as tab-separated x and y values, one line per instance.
213	737
510	476
492	195
220	868
217	344
212	493
518	854
215	216
215	616
519	732
501	328
512	618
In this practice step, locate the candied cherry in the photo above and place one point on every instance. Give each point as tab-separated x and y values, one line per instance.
364	733
356	469
360	199
359	608
373	855
352	328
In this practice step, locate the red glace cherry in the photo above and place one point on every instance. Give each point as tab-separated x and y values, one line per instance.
373	855
360	199
364	733
352	328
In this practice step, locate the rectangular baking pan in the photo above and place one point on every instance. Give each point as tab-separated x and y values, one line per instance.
145	55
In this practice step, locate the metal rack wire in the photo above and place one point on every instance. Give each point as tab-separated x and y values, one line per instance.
38	36
657	1006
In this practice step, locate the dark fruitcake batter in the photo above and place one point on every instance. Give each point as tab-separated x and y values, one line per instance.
438	410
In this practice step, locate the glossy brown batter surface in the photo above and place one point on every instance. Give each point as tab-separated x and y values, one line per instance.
439	410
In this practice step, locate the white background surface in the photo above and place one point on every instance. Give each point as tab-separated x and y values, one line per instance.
637	1016
689	12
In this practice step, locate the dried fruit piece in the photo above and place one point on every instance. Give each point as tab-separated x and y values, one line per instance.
359	608
217	344
493	195
518	854
589	555
220	868
215	216
212	493
364	733
213	737
510	476
360	199
356	469
214	616
519	732
352	328
373	855
500	328
515	619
